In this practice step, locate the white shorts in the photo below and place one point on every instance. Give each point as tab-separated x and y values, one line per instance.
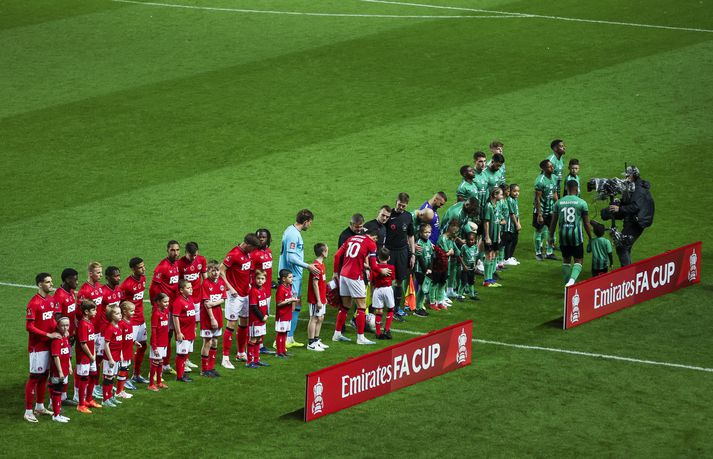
351	287
140	333
99	345
39	362
211	333
258	330
110	370
383	298
315	312
58	380
125	364
159	354
197	307
236	306
184	347
84	369
283	326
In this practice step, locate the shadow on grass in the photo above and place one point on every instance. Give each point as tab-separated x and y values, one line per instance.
297	415
555	323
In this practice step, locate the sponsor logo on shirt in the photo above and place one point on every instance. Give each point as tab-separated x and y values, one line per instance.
47	315
173	280
119	338
164	323
139	296
191	277
245	266
215	297
71	307
64	350
191	312
98	301
267	265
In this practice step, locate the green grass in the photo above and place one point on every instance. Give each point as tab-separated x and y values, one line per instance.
124	126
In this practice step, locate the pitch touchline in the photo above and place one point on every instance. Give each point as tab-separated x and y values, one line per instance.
299	13
517	346
540	16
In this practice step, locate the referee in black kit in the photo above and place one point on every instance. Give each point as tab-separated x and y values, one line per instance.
400	241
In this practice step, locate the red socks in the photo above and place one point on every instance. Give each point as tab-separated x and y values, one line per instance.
253	352
91	382
227	341
30	389
139	358
360	321
389	319
41	388
281	341
211	358
377	317
155	371
181	365
108	389
80	383
242	338
205	363
56	397
341	319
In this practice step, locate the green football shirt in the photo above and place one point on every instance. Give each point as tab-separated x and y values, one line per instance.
456	212
513	209
469	255
424	258
559	167
481	183
504	211
547	186
570	210
571	177
446	244
600	248
467	190
493	217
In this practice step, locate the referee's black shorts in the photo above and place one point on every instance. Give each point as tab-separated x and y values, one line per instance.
400	260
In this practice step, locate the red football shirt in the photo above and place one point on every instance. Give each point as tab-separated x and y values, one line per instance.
60	348
262	259
284	313
193	271
159	328
165	280
85	334
112	297
351	256
67	304
378	280
40	320
127	333
115	340
91	292
212	291
261	299
133	290
321	284
185	311
238	266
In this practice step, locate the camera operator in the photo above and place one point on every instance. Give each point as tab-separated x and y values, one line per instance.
637	211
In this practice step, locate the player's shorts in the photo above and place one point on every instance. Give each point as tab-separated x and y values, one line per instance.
85	369
400	260
125	364
599	272
184	347
110	370
197	306
99	345
257	330
140	333
296	286
492	247
283	325
351	287
315	311
211	333
158	354
574	251
39	362
546	221
383	297
58	380
236	307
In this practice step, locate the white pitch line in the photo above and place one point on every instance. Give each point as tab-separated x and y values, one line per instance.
517	346
541	16
300	13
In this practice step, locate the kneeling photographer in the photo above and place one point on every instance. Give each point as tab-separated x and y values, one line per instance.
636	209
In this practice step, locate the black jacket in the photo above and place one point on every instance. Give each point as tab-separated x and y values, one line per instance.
637	205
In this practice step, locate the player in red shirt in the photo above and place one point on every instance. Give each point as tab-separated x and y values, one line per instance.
61	368
262	259
317	298
284	304
349	264
184	323
159	341
383	293
127	347
40	325
67	307
92	290
259	301
165	280
213	297
192	267
133	289
113	341
86	357
235	272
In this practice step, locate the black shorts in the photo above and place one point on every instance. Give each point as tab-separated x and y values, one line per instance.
439	277
400	260
547	220
492	247
576	251
599	272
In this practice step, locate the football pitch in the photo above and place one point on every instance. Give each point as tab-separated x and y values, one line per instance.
125	124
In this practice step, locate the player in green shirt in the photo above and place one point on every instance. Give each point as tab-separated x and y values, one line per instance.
601	250
480	181
558	150
447	243
492	222
492	172
421	216
466	214
571	212
512	227
545	197
469	259
504	210
496	147
467	189
573	174
422	270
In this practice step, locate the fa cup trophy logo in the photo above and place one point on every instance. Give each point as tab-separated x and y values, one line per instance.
317	402
574	317
692	269
462	355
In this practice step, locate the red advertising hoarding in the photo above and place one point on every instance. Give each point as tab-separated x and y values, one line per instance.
627	286
357	380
